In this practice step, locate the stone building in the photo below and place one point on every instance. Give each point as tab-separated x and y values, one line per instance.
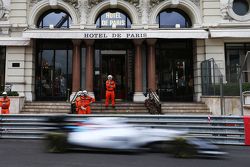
49	48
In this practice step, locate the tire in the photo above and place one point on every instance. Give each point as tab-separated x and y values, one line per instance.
158	147
56	142
182	149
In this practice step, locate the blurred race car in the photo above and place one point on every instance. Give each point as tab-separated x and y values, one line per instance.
112	133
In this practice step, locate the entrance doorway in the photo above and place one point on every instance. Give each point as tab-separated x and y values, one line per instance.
53	71
114	57
175	70
114	65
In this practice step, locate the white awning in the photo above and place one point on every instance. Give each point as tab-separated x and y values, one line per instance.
14	41
116	34
230	33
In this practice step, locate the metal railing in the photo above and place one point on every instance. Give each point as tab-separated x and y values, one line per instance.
217	129
153	103
240	80
72	102
212	80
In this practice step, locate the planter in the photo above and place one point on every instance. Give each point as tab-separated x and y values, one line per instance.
230	104
16	104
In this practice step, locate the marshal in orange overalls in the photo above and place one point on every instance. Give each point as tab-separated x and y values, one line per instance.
5	104
82	104
110	92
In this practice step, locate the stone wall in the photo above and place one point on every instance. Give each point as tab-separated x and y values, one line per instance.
230	105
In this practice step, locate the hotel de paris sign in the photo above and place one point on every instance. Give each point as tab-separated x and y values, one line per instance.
113	20
113	35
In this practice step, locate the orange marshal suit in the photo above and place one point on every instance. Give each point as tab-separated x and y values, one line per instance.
5	104
82	104
110	92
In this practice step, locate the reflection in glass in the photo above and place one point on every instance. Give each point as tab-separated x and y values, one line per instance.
235	55
113	18
54	71
240	7
173	18
57	18
174	69
2	68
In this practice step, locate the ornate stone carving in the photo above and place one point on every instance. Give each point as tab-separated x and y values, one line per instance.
74	3
84	10
92	3
155	2
224	8
133	2
144	11
4	12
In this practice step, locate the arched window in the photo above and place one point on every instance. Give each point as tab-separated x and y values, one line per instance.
173	18
54	19
113	19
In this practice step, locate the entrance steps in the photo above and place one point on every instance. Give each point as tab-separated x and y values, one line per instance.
184	108
120	108
96	108
168	108
45	107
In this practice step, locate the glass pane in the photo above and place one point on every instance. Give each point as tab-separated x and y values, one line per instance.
2	68
60	84
117	19
240	7
58	19
234	59
47	72
173	19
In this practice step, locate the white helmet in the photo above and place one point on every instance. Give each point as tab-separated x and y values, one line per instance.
84	92
4	93
110	77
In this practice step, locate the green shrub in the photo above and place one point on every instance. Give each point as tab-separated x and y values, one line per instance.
229	89
12	93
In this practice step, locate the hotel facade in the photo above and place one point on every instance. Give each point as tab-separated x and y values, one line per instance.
50	49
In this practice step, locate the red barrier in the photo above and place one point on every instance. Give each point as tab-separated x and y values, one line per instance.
247	130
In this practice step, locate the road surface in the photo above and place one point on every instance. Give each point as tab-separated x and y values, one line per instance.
31	153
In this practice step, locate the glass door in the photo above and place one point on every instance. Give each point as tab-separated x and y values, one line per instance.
175	70
114	65
53	75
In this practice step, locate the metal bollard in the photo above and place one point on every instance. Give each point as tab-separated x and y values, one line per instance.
68	95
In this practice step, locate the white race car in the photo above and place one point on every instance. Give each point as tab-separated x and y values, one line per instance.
112	133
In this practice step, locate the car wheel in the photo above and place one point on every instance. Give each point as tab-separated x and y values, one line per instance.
56	142
158	147
182	149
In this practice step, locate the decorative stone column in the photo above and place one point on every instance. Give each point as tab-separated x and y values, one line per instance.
138	95
76	66
89	66
151	64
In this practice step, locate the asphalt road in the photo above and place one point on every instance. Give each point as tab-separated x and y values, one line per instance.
30	153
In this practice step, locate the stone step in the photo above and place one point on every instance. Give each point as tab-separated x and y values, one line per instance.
185	108
44	110
119	104
186	113
183	104
121	108
46	104
47	107
118	108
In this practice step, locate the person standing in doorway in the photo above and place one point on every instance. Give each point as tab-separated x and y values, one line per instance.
110	91
5	104
83	103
